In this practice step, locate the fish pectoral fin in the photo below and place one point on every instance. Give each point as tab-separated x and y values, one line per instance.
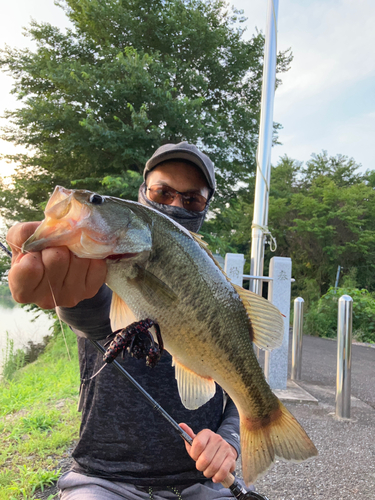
193	389
153	287
265	318
120	313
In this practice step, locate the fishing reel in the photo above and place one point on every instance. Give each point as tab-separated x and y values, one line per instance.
241	494
251	495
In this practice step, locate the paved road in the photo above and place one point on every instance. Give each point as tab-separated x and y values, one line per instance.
345	467
319	358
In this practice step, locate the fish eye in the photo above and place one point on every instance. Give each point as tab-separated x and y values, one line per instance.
96	199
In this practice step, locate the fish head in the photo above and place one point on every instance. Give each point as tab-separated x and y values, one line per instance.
91	226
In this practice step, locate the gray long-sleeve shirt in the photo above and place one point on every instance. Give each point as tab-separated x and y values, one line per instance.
121	437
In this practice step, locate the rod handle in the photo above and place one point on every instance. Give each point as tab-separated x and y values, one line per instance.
228	481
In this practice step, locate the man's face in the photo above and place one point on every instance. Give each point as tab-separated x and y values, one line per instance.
180	176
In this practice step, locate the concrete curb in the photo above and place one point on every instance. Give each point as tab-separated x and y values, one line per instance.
294	394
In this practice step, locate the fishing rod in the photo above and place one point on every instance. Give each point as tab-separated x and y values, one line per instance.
231	482
4	249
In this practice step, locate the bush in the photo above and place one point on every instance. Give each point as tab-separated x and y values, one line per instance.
14	359
321	319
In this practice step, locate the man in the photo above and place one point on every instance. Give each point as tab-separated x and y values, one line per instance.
125	449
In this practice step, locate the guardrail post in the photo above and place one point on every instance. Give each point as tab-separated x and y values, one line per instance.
276	361
344	356
233	267
297	339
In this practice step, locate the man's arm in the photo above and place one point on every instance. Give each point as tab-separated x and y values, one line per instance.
230	426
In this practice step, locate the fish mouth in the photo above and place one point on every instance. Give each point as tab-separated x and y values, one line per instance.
121	256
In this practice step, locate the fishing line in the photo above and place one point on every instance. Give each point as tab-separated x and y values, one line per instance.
3	247
61	325
84	380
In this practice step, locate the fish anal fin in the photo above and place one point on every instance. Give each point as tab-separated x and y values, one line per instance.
193	389
266	320
278	436
120	313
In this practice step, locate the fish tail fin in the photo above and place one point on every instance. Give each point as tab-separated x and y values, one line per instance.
276	436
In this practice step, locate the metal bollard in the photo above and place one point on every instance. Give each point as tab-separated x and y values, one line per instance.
297	339
344	356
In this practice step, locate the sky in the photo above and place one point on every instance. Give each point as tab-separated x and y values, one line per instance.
327	98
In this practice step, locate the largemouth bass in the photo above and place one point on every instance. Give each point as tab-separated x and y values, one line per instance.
158	270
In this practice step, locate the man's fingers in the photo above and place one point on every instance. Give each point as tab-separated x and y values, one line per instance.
188	430
227	465
18	234
72	279
28	270
95	276
209	460
199	442
212	454
56	262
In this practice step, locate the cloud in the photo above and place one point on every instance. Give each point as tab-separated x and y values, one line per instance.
352	137
326	99
332	42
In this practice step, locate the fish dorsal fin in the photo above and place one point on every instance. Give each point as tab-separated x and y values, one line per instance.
193	389
120	313
265	318
153	287
204	245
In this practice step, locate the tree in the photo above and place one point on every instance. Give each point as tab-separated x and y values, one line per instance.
130	76
323	215
5	259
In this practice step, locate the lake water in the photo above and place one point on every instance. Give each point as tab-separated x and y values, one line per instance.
17	324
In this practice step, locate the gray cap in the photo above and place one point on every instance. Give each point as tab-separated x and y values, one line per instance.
183	151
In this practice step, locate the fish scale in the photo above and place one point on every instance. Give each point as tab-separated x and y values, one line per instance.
158	270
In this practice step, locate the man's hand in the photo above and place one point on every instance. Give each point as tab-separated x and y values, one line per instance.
32	275
212	454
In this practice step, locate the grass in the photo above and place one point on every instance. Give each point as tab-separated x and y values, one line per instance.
38	420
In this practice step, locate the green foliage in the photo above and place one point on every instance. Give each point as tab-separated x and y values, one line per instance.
323	215
28	481
13	359
125	186
6	299
321	319
5	261
52	376
38	420
4	268
130	76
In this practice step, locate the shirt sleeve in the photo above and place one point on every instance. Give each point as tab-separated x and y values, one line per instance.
230	425
89	318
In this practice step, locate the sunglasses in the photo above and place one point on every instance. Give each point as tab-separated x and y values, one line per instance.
165	195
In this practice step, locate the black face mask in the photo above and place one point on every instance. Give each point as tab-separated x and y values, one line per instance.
192	221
